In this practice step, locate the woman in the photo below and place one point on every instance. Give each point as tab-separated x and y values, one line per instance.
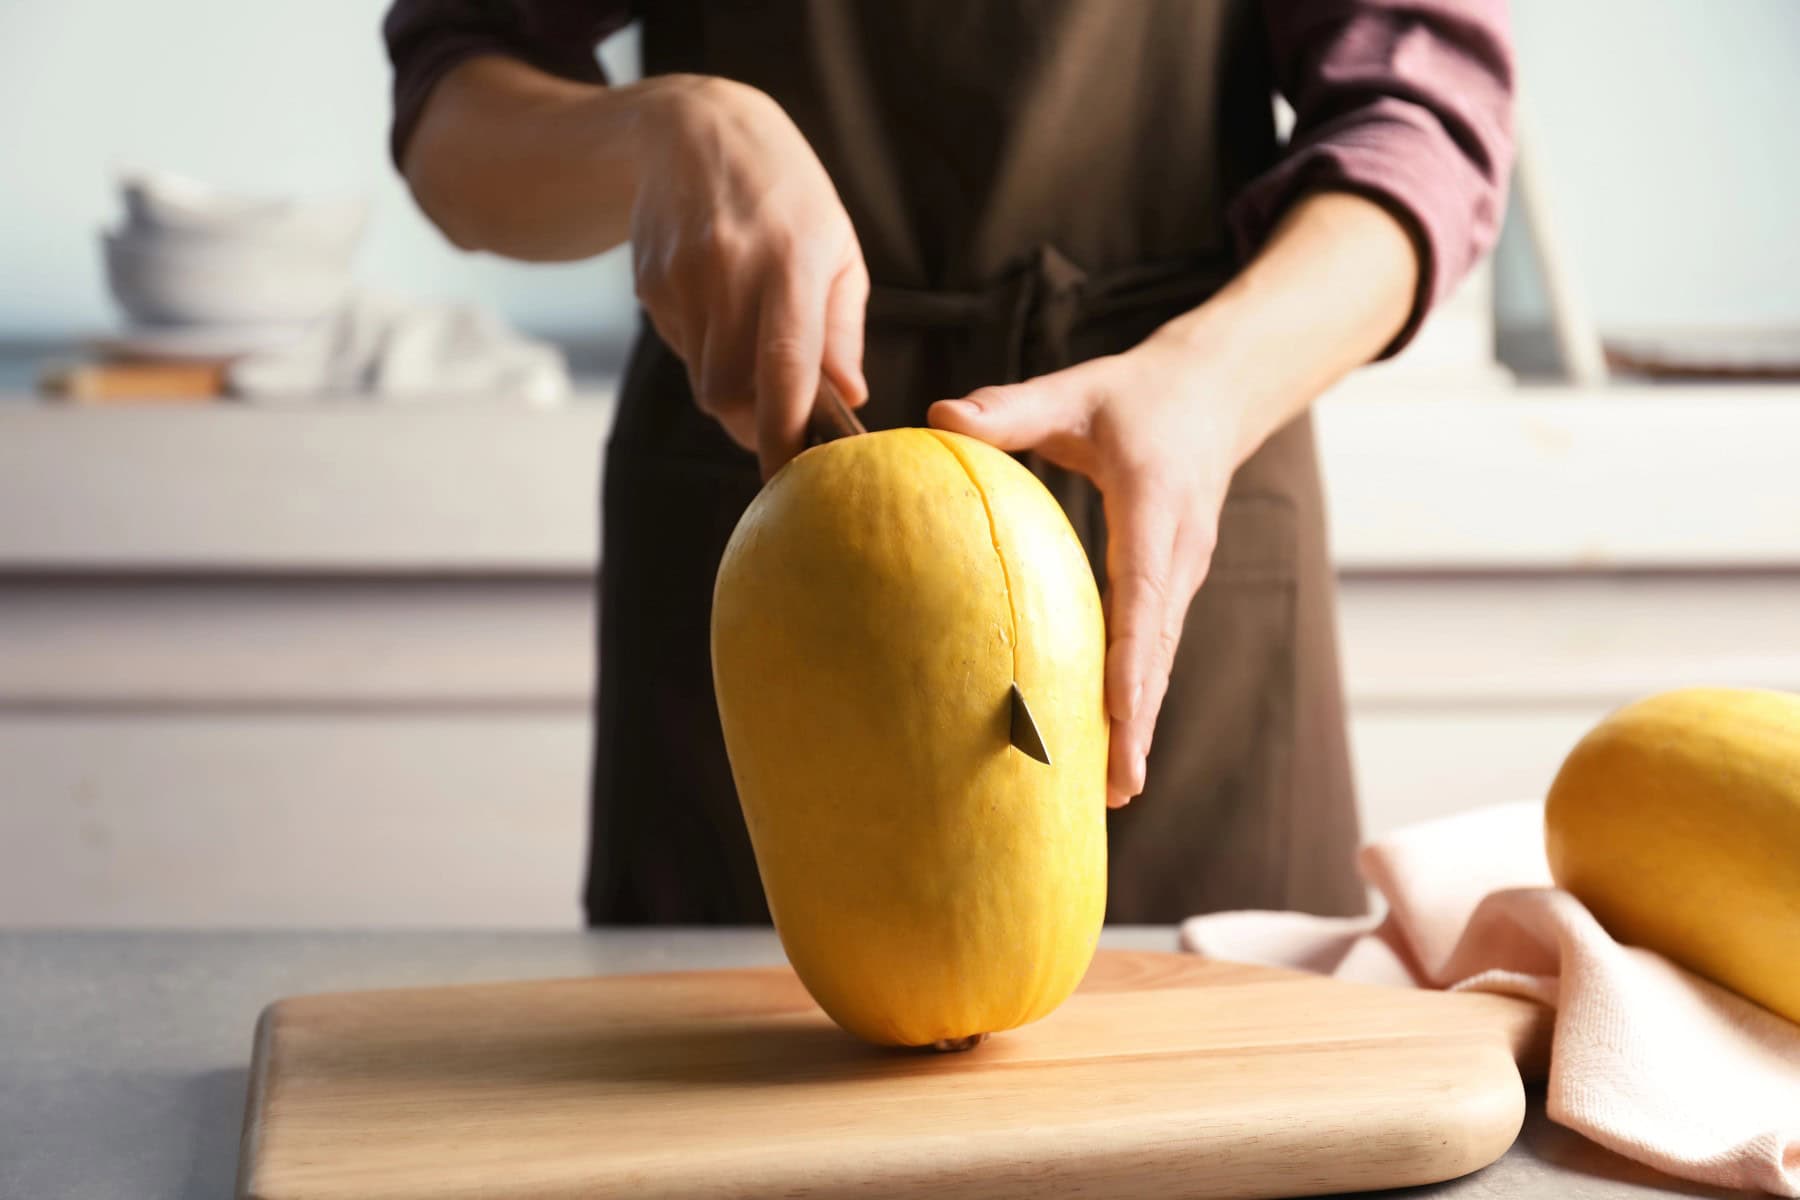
1069	223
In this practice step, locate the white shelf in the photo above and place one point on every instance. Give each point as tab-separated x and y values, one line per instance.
328	488
1558	478
1421	478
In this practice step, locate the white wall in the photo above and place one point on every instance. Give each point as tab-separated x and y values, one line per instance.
1666	131
1666	124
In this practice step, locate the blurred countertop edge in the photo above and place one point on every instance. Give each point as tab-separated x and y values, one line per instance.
1424	474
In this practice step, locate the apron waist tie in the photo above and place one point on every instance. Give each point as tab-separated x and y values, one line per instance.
1036	308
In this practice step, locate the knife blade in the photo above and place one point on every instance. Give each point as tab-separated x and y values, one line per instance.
831	417
1023	730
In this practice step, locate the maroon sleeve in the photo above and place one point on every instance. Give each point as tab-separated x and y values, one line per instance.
425	38
1408	102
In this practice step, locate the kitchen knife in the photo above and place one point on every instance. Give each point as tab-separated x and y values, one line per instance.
831	417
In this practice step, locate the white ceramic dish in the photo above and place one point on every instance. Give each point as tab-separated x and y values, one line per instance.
157	281
159	204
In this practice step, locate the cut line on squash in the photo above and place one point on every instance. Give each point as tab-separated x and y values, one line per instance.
1022	730
1012	612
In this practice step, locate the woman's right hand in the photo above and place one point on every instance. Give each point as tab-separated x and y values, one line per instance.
745	260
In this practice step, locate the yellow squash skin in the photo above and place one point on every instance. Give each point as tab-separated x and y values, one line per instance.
1677	822
930	882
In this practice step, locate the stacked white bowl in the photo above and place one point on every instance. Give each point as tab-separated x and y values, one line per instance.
192	266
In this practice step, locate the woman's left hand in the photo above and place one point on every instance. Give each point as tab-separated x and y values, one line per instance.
1159	436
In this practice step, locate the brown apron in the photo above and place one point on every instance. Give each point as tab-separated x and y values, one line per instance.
1034	183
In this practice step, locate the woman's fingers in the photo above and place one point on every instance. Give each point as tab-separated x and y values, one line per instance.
1146	607
727	388
1050	413
1193	559
737	229
717	372
845	312
1157	549
1093	418
790	346
754	355
671	330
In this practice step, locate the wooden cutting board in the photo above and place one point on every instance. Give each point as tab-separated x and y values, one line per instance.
1165	1075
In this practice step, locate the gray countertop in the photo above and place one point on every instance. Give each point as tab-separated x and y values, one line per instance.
123	1056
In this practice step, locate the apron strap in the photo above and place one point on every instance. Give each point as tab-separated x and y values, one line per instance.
1034	310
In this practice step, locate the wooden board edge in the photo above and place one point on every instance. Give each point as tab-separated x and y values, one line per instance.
1496	1108
256	1098
1476	1135
1454	1133
1523	1025
1526	1027
1468	1131
1465	1132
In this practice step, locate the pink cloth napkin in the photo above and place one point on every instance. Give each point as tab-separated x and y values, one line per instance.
1646	1059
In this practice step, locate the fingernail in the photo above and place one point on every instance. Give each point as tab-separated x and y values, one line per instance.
961	408
1137	698
1140	768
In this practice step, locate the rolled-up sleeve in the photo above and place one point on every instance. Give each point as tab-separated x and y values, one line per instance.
1409	103
425	38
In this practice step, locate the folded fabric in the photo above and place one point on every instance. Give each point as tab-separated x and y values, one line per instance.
1646	1058
384	347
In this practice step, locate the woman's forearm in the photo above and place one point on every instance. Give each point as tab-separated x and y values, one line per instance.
511	159
1329	291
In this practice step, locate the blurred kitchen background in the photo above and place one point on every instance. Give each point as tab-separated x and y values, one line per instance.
320	653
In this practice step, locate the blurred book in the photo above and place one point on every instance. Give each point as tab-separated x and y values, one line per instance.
1724	353
134	382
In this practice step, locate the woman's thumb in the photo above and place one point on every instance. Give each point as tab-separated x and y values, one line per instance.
1018	416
